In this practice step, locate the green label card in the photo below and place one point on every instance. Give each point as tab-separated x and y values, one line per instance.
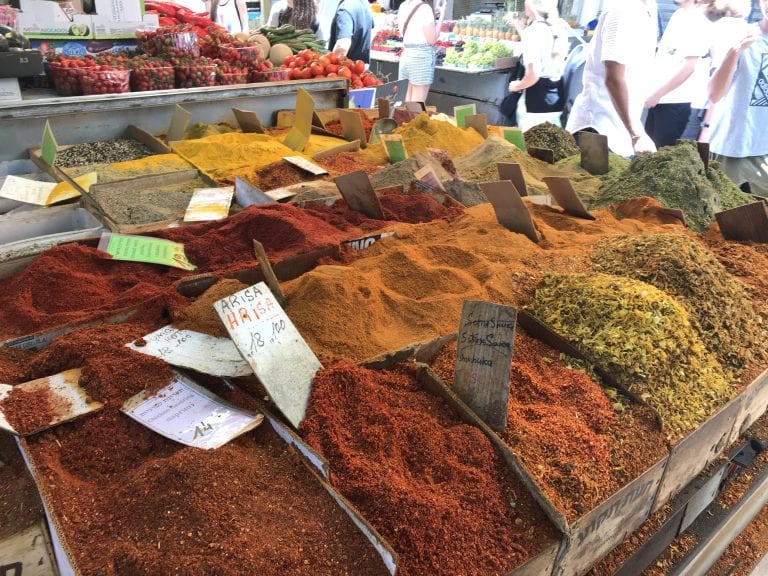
514	136
393	144
145	249
48	146
461	113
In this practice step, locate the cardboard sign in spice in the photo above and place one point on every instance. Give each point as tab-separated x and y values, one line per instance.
48	145
514	173
190	414
40	404
298	137
363	243
444	159
461	113
594	153
179	122
43	193
306	165
479	122
384	107
745	223
428	176
270	343
352	127
485	346
353	146
394	146
514	136
358	193
249	121
563	192
543	154
209	204
194	350
510	210
145	249
247	194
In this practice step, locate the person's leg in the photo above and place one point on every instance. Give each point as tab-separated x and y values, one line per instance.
418	92
421	73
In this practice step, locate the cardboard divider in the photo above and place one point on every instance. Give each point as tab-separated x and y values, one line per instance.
28	552
285	117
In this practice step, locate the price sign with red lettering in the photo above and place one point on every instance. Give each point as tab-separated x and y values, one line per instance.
273	347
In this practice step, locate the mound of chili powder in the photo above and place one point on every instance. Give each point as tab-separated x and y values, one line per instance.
129	501
433	486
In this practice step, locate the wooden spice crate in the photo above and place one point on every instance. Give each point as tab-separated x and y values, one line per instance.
131	132
28	552
545	562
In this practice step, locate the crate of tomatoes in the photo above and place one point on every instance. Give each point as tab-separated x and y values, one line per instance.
309	64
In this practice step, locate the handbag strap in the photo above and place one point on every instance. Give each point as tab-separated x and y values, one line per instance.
407	20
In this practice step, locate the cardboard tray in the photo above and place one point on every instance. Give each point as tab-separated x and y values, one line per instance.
544	563
28	552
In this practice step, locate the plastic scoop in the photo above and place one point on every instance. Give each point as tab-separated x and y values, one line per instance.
381	126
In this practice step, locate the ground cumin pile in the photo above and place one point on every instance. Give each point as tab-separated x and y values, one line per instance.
144	505
564	428
410	287
480	165
200	315
551	137
643	338
677	178
433	486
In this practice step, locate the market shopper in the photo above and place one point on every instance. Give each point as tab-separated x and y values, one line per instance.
740	134
616	77
351	30
301	14
684	44
231	14
545	47
420	30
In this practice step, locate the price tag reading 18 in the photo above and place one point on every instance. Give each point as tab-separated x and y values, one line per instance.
272	345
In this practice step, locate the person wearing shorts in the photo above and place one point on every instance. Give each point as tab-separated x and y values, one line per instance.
420	30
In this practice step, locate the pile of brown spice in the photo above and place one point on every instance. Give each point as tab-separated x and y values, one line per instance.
433	486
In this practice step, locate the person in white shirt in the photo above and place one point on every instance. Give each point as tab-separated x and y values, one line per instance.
420	30
616	77
545	47
275	11
683	45
231	14
740	135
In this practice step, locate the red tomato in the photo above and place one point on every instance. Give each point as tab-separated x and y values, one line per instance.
306	54
333	75
334	58
317	69
332	68
345	72
369	80
324	60
306	74
358	67
290	60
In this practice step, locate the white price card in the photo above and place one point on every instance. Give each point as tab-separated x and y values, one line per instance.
272	345
194	350
209	204
24	190
190	414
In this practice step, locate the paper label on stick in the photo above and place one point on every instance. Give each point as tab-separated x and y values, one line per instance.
247	194
395	147
364	242
483	359
306	165
179	123
428	176
190	414
352	126
510	210
461	113
209	204
298	137
479	122
48	145
273	347
514	136
194	350
514	173
563	192
145	249
249	121
43	193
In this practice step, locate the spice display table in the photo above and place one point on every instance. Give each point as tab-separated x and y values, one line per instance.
89	118
454	87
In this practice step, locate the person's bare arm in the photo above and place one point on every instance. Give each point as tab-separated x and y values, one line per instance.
723	76
615	82
529	79
677	79
242	11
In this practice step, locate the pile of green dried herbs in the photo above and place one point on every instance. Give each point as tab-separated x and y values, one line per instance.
616	164
718	304
642	337
676	177
551	137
